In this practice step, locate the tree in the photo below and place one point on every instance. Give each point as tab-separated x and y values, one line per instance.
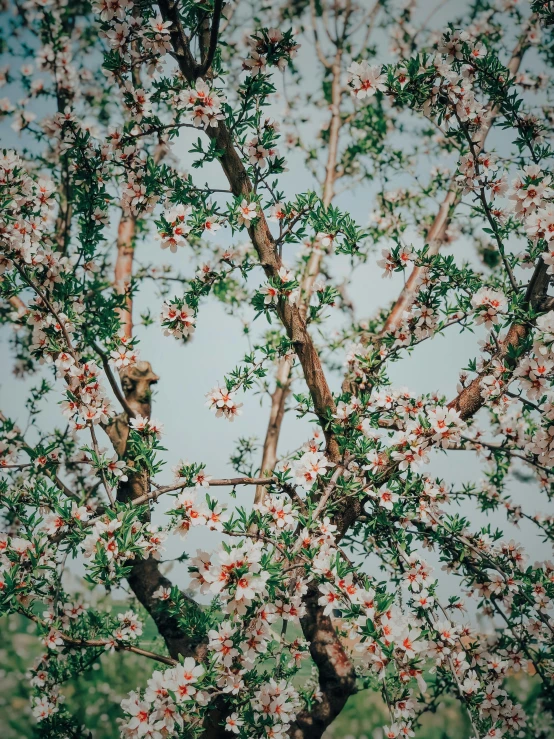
102	97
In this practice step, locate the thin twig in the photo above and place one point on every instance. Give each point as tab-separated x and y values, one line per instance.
102	473
113	382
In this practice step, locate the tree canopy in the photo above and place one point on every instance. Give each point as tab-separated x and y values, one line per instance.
153	145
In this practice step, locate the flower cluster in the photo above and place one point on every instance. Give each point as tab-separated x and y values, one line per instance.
190	512
223	403
235	575
86	399
365	80
177	319
270	47
203	103
489	305
171	700
176	230
311	465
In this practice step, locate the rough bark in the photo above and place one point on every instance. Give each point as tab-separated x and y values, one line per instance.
337	676
145	576
470	400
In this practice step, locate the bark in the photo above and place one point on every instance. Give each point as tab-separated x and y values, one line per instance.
276	415
16	303
126	249
435	237
470	400
335	124
335	670
124	269
337	676
269	458
145	576
261	237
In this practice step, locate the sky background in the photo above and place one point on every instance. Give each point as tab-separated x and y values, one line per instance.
187	372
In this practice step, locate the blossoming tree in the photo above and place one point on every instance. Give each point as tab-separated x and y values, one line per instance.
100	96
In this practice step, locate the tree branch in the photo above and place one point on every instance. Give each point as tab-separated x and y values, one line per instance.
436	232
207	63
262	240
470	399
337	676
118	646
